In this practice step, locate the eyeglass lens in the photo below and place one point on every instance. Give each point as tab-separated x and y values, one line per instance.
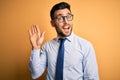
61	18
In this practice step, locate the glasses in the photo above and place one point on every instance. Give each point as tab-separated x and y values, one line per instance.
61	18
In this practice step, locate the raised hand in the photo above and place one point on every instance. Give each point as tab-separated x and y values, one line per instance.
36	37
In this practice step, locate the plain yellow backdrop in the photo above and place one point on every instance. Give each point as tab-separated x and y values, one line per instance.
95	20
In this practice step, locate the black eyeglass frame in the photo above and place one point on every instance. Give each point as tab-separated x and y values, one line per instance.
63	17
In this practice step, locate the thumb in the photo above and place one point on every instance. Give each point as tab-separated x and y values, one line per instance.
42	34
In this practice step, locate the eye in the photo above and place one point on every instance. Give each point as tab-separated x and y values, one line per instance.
59	17
69	16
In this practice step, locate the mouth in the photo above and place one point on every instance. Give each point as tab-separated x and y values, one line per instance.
66	28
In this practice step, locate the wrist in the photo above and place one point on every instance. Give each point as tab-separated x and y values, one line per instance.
36	48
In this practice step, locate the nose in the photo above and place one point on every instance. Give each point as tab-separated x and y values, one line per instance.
65	20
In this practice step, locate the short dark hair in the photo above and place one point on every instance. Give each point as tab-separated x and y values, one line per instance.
61	5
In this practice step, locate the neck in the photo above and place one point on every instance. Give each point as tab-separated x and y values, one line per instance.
61	37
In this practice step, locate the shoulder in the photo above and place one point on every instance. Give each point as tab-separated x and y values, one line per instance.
50	43
82	42
85	46
53	41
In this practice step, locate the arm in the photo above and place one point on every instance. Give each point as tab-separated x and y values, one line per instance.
37	58
90	64
37	63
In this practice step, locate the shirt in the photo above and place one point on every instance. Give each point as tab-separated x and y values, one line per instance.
79	59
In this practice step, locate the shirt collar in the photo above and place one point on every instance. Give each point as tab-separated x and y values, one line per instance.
69	38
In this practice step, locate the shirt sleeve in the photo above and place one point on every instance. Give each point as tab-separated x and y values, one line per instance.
37	63
90	63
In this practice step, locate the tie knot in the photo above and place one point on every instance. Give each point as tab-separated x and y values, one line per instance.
62	40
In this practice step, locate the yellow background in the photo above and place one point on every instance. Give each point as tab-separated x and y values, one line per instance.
95	20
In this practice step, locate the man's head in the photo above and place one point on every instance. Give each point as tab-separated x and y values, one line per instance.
59	6
61	19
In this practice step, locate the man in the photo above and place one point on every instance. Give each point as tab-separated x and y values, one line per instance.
66	57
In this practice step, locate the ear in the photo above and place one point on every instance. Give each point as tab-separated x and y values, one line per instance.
52	23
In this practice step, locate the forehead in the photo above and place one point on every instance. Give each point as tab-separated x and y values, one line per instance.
62	12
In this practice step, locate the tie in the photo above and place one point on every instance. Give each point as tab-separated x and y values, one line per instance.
60	63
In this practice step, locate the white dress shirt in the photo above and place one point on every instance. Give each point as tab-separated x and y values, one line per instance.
79	59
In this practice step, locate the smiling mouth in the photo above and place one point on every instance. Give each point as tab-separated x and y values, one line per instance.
66	27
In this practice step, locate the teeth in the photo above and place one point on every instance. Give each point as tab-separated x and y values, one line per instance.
66	27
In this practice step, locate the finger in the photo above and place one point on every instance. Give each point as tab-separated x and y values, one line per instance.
32	29
30	33
37	29
42	34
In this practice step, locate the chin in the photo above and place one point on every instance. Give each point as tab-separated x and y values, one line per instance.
67	34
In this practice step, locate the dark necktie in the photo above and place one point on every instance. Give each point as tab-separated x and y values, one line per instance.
60	61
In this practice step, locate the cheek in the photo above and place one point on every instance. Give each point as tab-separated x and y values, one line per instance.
70	23
59	25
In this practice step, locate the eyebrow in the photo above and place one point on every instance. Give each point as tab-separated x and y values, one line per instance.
62	14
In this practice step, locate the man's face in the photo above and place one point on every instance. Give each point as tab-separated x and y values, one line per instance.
62	25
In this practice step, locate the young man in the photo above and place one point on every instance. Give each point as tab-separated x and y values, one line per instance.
66	57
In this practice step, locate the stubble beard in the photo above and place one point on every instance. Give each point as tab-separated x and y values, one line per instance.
60	33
